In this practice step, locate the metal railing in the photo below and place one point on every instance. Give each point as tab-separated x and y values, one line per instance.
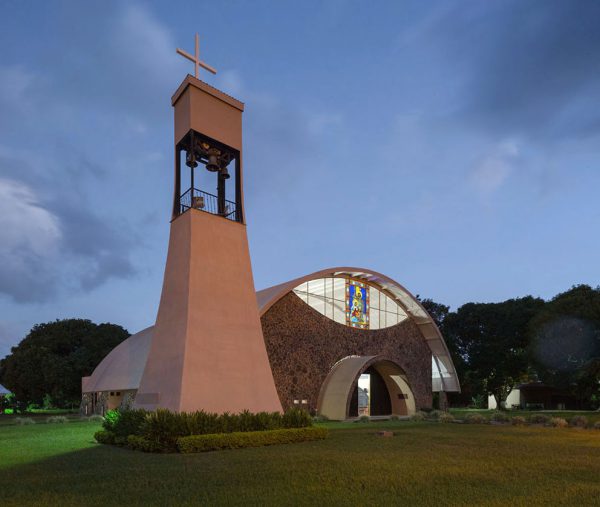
203	201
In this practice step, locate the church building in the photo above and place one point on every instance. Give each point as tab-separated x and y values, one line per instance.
341	342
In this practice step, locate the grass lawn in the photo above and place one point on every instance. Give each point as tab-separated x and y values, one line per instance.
424	464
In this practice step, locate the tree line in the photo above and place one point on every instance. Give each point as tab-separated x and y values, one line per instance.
497	346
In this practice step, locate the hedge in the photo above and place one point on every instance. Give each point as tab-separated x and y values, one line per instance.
238	440
105	437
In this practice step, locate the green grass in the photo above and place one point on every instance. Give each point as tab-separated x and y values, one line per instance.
424	464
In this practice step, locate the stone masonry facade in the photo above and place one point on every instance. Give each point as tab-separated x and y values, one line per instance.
303	345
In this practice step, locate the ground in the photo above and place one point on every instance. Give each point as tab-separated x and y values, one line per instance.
424	464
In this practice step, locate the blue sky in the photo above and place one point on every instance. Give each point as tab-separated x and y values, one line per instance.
453	146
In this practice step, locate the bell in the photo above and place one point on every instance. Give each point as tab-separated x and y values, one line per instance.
224	173
190	159
213	161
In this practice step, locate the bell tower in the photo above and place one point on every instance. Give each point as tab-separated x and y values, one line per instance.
208	351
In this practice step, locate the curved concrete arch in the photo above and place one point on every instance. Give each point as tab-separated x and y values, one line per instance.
122	368
445	377
337	389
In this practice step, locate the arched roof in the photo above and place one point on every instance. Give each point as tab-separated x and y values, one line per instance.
444	374
122	368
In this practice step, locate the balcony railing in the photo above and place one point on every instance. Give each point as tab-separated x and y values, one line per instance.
203	201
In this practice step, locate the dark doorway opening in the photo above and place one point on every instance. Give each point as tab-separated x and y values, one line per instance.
379	401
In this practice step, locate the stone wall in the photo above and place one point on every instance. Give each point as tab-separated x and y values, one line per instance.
303	345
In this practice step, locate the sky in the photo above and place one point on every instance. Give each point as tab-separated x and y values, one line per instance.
453	146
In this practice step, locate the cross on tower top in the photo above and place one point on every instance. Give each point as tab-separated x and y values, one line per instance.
196	59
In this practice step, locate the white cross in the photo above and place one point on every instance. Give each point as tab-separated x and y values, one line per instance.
196	59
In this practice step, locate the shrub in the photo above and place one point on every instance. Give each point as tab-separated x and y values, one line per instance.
418	416
499	417
105	437
164	427
578	421
24	421
137	443
597	425
476	419
57	419
518	421
363	419
394	418
110	420
446	418
129	422
296	418
95	418
558	422
538	419
237	440
435	414
320	418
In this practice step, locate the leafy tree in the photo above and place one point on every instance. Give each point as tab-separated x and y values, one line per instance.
54	356
489	342
565	343
437	311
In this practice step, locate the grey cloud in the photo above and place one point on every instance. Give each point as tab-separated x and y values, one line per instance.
529	67
32	279
88	252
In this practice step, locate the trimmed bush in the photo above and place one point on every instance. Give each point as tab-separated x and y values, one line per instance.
363	419
162	428
124	422
105	437
136	443
476	419
518	421
296	418
24	421
558	422
238	440
579	421
499	417
435	414
539	419
110	420
418	416
320	418
57	419
446	418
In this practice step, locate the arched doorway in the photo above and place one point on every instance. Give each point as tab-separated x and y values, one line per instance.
343	394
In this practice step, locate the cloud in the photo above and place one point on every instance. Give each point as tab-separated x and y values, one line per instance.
51	247
31	238
524	68
492	170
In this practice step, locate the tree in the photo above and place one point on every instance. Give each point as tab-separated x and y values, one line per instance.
490	342
54	356
565	343
437	311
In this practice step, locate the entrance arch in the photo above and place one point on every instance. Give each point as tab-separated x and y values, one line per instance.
335	397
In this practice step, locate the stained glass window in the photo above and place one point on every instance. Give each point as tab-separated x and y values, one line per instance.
330	297
357	304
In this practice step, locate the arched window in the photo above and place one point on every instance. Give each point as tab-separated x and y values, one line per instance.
351	302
